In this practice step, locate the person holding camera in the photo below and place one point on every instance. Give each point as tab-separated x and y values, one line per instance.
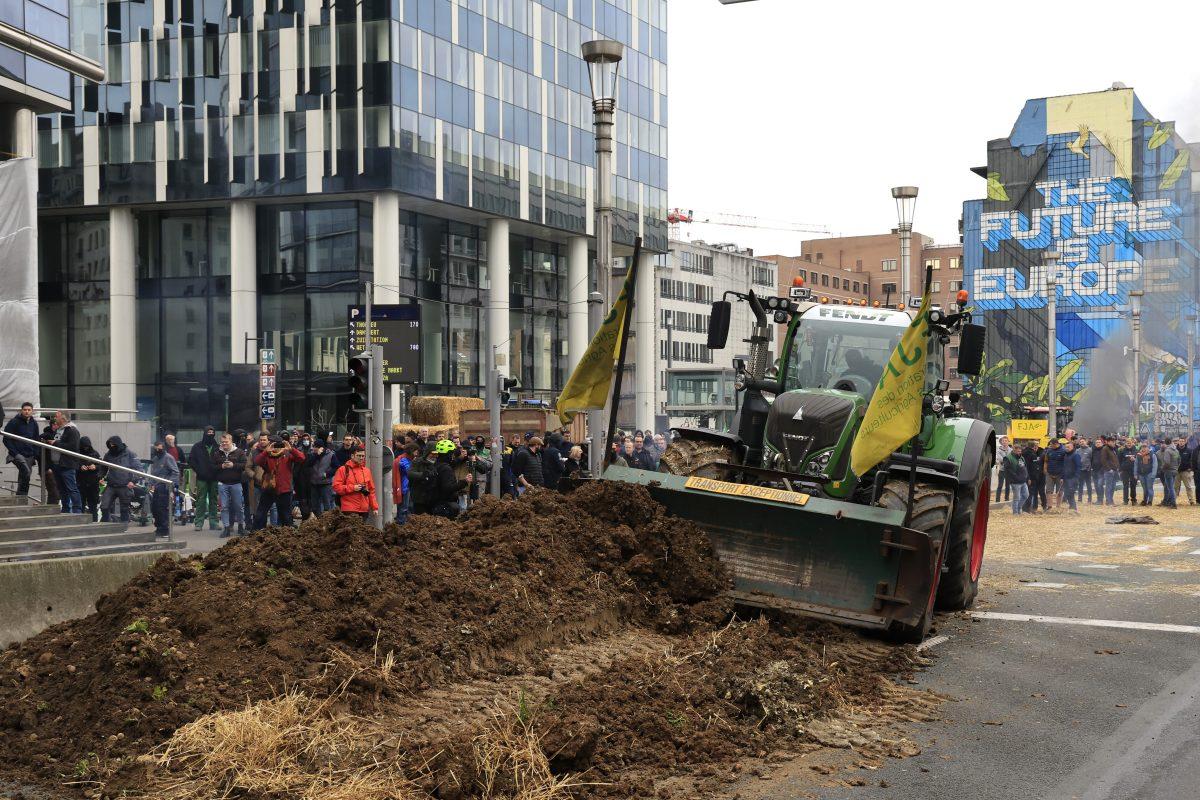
354	486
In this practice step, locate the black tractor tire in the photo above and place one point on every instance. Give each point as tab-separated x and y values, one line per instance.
695	458
932	507
960	574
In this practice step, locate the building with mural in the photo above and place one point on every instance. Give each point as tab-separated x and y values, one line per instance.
1110	188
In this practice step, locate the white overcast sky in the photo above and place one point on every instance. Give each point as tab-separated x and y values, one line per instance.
810	111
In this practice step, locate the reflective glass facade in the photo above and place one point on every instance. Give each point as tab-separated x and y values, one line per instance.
468	109
479	103
73	25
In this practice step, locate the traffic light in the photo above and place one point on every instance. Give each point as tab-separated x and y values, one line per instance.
360	381
506	387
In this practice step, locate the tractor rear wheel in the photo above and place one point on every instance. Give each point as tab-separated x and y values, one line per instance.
964	547
932	506
695	457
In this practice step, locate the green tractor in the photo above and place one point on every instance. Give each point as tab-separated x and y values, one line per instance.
799	531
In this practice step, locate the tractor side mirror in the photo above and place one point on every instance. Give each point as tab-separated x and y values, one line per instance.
971	343
718	324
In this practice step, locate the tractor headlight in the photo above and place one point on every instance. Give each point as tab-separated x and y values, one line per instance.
739	381
819	463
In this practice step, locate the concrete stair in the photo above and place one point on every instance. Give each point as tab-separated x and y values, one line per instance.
31	532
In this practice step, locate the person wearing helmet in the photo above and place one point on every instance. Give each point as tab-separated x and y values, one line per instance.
432	482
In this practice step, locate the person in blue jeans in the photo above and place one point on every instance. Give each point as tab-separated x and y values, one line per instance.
1146	468
1016	474
1071	471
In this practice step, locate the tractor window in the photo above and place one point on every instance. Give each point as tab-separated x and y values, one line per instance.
840	354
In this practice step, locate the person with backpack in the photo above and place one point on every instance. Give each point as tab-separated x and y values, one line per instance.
275	481
434	487
355	487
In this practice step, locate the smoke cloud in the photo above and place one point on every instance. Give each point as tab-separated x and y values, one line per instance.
1107	406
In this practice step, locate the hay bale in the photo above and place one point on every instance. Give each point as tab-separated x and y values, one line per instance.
434	410
435	431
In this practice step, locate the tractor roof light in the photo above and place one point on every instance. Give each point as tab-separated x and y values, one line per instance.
797	281
862	302
963	296
824	299
900	306
875	304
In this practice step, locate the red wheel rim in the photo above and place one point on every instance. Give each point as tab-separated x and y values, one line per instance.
983	506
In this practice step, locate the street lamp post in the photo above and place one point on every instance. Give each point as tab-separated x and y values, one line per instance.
906	204
1191	356
603	59
1135	307
1051	258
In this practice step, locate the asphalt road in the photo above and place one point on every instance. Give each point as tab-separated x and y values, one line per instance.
1056	710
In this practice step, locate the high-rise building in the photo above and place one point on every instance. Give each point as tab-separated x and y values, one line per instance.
1110	188
249	166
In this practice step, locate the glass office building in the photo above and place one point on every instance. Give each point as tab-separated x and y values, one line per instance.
1110	188
249	167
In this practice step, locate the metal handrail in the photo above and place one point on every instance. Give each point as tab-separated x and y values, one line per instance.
85	410
42	464
81	456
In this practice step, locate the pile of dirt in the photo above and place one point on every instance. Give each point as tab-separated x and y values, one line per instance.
337	609
634	714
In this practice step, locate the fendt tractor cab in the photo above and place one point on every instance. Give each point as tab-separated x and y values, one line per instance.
798	529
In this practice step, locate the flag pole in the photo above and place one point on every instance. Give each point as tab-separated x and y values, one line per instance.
914	445
631	282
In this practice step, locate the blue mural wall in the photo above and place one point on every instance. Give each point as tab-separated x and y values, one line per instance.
1108	187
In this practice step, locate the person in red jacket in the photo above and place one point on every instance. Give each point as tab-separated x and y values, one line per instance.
355	488
275	484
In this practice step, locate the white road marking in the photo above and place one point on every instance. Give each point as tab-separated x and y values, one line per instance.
1044	585
1069	554
1168	569
1194	553
1098	566
933	642
1120	589
1093	623
1174	539
1141	548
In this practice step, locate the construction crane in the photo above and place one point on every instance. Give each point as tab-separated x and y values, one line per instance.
676	217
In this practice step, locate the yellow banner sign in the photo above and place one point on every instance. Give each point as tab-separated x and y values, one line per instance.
744	490
1029	429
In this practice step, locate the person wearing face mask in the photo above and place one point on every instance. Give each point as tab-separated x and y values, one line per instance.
302	488
162	465
118	489
89	479
200	459
319	466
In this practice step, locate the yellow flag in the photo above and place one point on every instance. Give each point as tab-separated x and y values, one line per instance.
894	414
590	383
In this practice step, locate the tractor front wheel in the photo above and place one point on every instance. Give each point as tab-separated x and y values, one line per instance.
932	506
964	547
695	458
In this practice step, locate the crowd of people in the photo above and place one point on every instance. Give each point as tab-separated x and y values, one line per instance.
1075	469
237	480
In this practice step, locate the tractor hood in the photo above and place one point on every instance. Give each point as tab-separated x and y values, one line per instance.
805	422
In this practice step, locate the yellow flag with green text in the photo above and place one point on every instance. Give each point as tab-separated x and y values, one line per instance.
590	383
894	414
